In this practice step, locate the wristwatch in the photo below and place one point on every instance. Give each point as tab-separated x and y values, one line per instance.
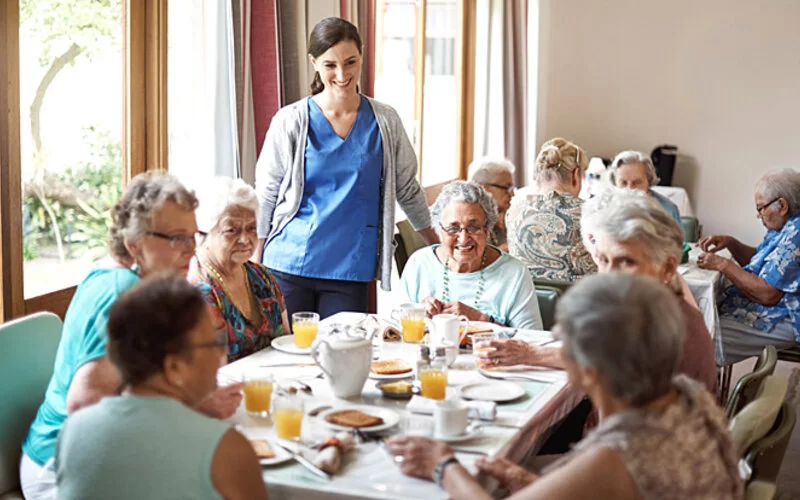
438	472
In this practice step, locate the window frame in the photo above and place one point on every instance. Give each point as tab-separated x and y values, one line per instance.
144	136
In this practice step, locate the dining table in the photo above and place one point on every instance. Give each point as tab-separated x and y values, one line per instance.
705	286
368	471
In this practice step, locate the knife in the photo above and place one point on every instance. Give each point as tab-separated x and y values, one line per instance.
286	365
305	462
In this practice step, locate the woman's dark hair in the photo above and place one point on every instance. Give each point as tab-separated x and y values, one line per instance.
327	33
151	321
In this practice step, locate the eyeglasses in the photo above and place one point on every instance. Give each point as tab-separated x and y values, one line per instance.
220	342
176	240
763	207
508	189
456	230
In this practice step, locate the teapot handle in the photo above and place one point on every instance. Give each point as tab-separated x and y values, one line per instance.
314	351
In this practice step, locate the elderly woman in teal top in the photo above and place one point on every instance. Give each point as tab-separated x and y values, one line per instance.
331	169
149	442
635	170
464	275
762	304
153	230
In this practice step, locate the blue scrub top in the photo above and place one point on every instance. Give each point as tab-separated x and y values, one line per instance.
334	234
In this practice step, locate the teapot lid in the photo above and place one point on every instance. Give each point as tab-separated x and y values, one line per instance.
347	333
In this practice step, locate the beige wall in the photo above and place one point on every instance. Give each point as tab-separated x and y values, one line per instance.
718	78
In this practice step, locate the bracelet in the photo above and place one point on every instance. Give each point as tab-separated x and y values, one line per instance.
438	472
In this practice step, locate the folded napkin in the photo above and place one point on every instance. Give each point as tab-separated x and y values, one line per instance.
484	410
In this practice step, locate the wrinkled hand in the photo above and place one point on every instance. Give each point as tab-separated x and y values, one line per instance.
715	243
460	309
223	402
712	261
507	473
420	455
506	353
433	306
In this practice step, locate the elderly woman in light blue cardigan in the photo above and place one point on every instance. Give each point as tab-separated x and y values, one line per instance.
465	275
332	167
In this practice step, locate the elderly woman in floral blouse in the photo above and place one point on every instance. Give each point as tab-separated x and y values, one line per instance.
544	229
762	305
243	296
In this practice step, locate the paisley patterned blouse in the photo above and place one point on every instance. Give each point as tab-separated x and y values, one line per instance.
544	232
244	338
777	261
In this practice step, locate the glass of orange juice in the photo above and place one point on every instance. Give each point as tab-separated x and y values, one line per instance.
288	416
304	327
412	319
258	393
480	338
434	383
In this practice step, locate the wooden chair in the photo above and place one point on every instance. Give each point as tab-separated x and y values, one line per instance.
27	353
748	386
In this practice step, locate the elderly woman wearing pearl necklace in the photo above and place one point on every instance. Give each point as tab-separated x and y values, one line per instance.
464	275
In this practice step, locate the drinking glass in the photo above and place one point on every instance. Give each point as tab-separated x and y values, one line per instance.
258	393
304	327
412	319
434	383
288	415
480	338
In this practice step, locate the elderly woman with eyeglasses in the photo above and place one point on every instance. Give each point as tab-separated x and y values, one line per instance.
635	170
544	228
627	231
496	176
149	442
762	304
465	275
244	297
153	230
660	435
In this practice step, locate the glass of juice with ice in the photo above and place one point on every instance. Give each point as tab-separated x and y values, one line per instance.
258	393
304	327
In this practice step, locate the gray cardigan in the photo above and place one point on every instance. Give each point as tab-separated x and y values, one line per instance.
280	172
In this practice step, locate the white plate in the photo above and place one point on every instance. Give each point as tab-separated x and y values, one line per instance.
286	344
394	376
465	436
280	457
486	325
491	391
390	418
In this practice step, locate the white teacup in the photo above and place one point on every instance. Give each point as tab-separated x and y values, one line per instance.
450	418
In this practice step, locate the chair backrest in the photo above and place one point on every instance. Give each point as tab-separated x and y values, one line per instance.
547	298
27	353
561	286
747	387
411	239
760	490
400	255
765	456
757	418
691	229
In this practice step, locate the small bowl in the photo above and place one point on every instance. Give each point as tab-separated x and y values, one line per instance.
397	394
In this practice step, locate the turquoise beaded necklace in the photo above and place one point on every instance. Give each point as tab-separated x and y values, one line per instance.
446	280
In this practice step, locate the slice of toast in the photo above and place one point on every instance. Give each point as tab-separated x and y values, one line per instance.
353	418
262	448
390	367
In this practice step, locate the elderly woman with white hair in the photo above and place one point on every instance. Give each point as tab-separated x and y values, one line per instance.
243	296
465	275
544	229
762	304
660	435
635	170
496	176
628	231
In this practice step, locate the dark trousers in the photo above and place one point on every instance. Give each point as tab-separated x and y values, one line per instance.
325	297
569	432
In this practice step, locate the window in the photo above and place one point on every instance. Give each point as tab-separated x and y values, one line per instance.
422	78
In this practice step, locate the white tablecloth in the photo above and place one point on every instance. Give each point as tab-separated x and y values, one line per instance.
367	471
705	286
678	196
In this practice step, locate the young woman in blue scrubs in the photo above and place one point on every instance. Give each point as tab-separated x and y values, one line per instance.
332	167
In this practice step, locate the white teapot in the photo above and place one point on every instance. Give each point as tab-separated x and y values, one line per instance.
345	357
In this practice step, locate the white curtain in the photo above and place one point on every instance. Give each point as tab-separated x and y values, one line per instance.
203	125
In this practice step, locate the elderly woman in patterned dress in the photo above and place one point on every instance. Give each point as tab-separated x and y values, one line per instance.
660	436
762	304
544	229
243	296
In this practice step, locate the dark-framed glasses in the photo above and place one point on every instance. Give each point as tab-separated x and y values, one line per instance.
456	230
763	207
220	341
176	240
508	189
